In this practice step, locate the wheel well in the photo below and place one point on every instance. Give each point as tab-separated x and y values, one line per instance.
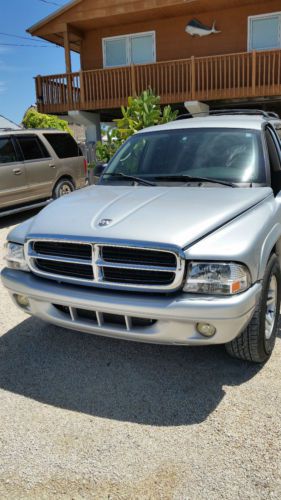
64	177
277	250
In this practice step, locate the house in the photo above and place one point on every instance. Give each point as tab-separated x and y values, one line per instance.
222	52
5	124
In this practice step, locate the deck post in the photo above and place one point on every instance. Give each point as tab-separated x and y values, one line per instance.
39	92
68	67
133	81
82	90
254	71
193	80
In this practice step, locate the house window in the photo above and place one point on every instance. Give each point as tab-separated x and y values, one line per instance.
264	32
138	48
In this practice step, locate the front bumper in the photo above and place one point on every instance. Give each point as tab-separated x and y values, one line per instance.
174	316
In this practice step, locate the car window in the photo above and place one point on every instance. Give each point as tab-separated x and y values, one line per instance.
64	145
226	154
7	151
32	148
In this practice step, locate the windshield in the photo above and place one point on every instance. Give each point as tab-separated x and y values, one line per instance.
231	155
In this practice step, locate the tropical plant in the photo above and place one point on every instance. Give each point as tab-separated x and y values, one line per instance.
142	111
34	119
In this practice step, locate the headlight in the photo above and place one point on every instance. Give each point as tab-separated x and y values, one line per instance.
15	256
217	278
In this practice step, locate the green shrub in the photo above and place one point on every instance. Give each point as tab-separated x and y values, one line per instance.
34	119
141	112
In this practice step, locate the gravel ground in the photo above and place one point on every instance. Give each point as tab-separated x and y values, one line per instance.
88	417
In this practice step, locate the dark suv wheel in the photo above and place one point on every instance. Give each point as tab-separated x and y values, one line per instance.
257	341
63	187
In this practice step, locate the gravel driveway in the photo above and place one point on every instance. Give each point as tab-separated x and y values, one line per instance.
88	417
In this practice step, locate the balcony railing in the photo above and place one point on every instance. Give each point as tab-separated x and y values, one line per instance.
229	76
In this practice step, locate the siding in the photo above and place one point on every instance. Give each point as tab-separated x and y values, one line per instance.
173	43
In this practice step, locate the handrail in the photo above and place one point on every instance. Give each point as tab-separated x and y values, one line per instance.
215	77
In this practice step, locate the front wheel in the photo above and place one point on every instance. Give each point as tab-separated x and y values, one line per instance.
63	187
257	341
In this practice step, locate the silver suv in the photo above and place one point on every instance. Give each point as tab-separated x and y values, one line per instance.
180	243
36	165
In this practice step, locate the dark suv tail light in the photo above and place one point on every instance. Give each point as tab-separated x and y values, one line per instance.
85	167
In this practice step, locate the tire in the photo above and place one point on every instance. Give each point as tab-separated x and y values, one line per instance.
257	341
63	187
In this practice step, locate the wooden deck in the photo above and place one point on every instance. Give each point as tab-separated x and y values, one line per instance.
230	76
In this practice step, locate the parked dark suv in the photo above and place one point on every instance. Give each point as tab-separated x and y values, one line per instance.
36	165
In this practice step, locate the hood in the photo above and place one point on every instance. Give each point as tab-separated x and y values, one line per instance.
165	215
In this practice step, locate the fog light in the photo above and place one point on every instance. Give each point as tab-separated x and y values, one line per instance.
22	301
206	329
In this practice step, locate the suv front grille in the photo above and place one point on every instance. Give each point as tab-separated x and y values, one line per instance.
74	250
116	275
65	269
106	265
137	255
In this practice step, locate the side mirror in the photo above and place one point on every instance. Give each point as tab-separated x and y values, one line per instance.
99	169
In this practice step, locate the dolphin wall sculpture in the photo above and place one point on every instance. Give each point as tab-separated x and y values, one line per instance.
195	27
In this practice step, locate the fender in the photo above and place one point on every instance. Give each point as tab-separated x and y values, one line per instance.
273	238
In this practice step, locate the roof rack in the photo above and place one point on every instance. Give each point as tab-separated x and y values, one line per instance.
212	112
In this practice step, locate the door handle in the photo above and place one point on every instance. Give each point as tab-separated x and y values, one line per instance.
17	171
52	165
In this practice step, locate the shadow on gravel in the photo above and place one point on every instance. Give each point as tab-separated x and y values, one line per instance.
126	381
13	220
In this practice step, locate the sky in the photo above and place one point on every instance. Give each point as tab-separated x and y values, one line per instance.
19	65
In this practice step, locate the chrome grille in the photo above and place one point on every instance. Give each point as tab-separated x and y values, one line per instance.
107	265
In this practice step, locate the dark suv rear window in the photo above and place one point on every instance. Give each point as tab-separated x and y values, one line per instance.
64	145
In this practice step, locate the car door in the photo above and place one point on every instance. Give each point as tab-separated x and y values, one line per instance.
39	165
274	155
13	183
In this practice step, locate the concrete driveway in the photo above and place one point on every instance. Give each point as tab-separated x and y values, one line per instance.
88	417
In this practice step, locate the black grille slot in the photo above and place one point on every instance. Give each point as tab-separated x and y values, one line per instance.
60	249
112	319
138	256
143	277
63	309
86	314
142	322
65	269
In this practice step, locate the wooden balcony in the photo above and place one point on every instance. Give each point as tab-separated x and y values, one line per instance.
222	77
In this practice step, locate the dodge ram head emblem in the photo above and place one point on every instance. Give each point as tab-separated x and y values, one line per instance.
105	222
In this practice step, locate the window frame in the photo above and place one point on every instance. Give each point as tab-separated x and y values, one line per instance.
262	16
128	37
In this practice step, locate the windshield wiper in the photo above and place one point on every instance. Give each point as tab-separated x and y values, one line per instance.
132	178
185	178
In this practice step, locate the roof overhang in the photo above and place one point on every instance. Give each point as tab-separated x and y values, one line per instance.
77	18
